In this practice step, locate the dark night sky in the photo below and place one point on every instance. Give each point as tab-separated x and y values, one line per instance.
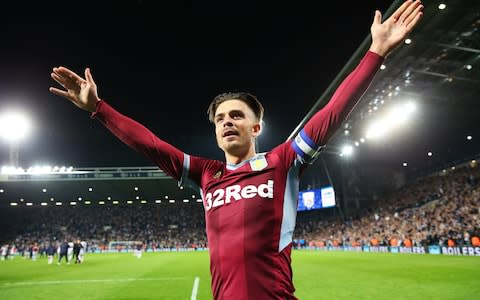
161	64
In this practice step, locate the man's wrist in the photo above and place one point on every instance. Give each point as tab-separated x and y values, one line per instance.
378	50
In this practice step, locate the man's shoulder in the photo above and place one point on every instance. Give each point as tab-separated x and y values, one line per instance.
205	163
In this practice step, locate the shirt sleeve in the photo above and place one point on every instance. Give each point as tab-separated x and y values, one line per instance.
168	158
318	130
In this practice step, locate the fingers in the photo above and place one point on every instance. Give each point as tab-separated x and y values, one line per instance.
405	10
67	78
396	15
88	75
59	92
58	79
414	17
408	11
65	72
378	17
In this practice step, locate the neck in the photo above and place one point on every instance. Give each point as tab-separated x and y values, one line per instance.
236	159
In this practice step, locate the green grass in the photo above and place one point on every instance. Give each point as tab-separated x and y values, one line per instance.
317	275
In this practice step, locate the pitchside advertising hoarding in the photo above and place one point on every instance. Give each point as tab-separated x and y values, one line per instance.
466	251
435	250
316	198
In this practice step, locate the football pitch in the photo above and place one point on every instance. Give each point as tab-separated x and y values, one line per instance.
185	275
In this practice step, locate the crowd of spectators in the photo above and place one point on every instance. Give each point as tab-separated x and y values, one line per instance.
156	226
440	209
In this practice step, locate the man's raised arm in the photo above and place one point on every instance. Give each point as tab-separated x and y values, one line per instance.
386	36
83	93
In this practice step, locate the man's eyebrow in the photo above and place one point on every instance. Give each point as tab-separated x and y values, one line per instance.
219	115
234	111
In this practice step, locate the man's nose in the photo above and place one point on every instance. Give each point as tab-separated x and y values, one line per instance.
227	122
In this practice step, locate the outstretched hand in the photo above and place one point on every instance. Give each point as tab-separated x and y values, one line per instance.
389	34
81	92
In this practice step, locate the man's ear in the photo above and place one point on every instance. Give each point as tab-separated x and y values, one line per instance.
257	129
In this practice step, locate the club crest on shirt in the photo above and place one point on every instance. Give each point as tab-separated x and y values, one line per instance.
217	175
258	163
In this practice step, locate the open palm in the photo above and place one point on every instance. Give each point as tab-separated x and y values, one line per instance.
81	92
389	34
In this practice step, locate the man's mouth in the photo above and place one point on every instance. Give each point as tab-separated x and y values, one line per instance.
229	133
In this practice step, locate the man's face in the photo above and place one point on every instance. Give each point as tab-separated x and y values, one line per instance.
235	127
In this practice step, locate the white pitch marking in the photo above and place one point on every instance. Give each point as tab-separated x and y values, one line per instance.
118	280
196	282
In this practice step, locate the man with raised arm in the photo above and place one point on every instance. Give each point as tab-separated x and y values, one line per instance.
250	199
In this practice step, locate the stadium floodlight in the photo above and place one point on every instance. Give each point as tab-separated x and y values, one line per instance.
376	130
14	126
11	170
397	116
347	150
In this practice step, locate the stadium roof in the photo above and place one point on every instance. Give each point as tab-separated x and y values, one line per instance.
439	70
92	186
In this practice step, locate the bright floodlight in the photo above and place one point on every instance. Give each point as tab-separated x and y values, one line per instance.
395	117
377	129
347	150
14	126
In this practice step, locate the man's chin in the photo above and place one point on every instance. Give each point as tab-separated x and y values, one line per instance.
233	147
230	146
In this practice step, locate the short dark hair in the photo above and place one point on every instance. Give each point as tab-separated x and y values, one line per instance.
249	99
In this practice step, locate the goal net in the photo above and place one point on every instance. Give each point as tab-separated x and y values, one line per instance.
122	246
